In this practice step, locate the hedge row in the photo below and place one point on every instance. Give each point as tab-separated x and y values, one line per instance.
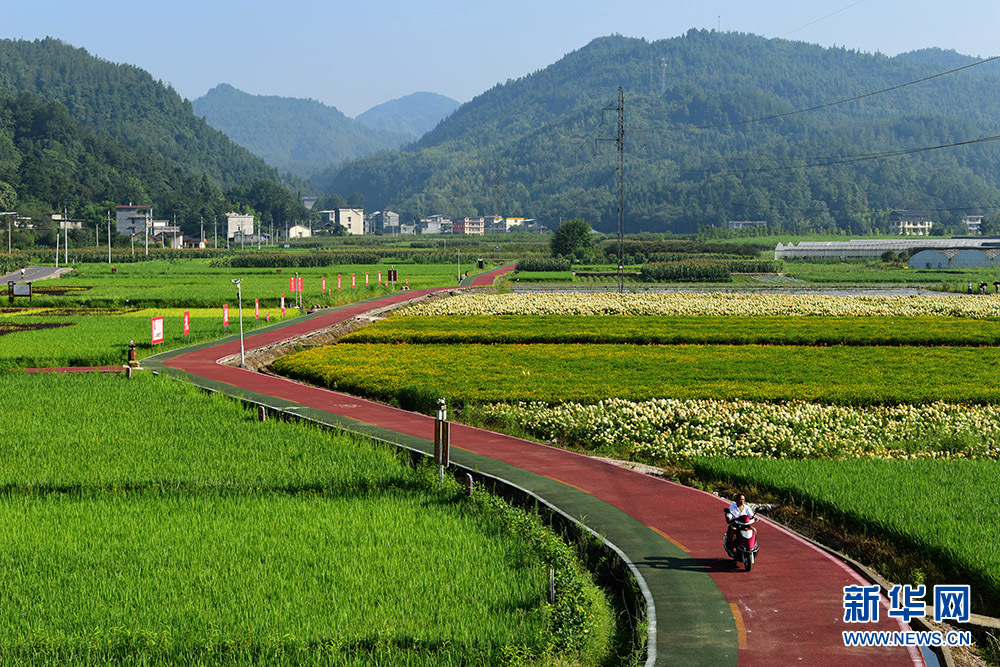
543	264
686	271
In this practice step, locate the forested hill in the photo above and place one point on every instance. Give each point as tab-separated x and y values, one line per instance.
299	136
127	104
413	115
534	143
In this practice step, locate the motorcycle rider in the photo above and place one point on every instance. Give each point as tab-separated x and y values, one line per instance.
737	509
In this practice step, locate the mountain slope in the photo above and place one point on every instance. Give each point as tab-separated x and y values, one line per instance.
127	104
413	115
294	135
528	147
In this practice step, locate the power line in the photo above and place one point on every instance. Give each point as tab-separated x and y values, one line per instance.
845	101
843	159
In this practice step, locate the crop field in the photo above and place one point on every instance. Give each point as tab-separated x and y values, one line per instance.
547	373
674	330
715	304
874	271
56	337
193	283
878	408
162	525
88	317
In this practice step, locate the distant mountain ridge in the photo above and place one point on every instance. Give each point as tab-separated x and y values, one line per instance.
529	146
413	115
294	135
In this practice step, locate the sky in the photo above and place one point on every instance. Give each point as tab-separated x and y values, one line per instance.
356	55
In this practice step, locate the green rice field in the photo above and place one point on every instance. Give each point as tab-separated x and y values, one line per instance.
144	522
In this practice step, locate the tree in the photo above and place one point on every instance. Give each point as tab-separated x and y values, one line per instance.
571	237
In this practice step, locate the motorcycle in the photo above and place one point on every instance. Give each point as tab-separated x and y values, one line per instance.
744	547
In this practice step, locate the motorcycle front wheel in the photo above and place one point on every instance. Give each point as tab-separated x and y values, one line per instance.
748	561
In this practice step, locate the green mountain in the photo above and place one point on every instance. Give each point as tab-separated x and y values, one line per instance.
302	137
127	104
543	146
51	161
413	115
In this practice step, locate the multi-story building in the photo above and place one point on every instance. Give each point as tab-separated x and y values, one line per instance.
239	226
131	220
910	223
973	224
468	226
387	221
351	219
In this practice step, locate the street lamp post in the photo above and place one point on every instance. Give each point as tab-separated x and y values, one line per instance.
239	299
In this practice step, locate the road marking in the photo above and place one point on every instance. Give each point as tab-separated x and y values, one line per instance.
669	539
741	629
568	484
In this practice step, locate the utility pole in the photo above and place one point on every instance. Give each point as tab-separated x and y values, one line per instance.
149	221
619	140
66	237
109	237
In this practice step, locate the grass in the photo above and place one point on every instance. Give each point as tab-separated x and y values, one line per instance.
162	525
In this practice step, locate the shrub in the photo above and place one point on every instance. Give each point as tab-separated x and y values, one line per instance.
543	264
419	398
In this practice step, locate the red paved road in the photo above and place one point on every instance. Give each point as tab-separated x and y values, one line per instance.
791	605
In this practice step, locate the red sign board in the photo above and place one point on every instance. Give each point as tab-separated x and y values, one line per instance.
187	322
225	314
157	330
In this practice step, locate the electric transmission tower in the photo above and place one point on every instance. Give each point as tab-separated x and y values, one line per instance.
619	140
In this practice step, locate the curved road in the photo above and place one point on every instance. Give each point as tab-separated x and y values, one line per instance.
787	611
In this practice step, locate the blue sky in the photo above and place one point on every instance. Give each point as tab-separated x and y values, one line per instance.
354	55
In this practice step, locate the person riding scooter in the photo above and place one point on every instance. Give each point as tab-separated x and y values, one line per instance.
737	509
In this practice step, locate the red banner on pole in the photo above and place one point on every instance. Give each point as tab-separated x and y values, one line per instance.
157	330
291	283
324	284
354	280
282	304
187	322
338	281
300	284
366	279
379	277
256	308
225	314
